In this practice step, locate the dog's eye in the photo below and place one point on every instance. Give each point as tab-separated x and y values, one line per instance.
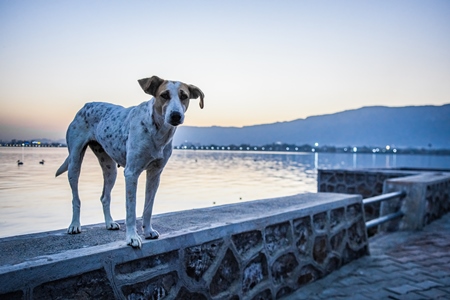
183	96
165	95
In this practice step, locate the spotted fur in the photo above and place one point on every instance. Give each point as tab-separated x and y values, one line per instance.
138	138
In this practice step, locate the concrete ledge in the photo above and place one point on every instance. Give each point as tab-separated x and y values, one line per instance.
268	247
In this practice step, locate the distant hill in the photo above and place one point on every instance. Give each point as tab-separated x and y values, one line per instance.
410	126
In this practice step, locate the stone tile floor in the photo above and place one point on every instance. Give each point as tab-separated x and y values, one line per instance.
402	265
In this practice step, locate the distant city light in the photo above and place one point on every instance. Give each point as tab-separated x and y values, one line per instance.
355	149
388	147
316	144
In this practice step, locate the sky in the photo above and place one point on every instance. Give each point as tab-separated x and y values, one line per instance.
257	62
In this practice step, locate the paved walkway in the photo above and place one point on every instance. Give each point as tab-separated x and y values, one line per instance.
402	265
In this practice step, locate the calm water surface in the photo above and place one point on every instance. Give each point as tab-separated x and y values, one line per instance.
33	200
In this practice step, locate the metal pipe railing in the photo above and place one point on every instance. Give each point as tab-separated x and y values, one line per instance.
384	197
386	218
383	219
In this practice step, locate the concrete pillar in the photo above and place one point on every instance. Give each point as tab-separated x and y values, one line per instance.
427	199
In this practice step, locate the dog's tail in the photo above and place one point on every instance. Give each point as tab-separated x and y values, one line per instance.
63	167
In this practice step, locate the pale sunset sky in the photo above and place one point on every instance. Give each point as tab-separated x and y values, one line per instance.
256	61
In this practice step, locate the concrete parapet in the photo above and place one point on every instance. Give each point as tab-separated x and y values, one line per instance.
254	250
427	199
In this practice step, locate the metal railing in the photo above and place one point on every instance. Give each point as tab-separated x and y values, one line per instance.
386	218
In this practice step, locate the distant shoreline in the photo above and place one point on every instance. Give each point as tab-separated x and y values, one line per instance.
288	148
276	147
40	145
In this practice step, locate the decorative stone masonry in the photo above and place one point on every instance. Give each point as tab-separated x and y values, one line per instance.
262	249
427	199
364	182
427	193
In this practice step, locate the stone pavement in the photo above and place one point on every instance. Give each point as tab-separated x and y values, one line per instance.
402	265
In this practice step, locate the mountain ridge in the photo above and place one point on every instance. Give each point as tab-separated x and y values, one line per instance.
407	126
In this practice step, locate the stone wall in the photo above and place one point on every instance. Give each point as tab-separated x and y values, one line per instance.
365	182
254	250
427	193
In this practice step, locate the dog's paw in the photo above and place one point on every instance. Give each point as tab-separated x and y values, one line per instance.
74	228
134	240
113	226
151	234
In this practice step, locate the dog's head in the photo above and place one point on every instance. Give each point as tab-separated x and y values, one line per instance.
171	97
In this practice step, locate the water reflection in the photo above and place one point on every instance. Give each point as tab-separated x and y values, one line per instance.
32	199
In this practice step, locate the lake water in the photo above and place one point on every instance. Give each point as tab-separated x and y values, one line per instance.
33	200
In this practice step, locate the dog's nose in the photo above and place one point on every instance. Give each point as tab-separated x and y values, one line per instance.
175	118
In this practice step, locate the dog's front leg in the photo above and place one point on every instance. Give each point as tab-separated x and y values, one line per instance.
131	180
152	183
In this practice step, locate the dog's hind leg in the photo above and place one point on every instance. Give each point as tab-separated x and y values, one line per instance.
109	178
74	167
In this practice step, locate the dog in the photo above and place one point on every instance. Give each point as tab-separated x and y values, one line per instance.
138	138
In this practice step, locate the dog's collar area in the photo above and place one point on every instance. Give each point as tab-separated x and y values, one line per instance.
154	122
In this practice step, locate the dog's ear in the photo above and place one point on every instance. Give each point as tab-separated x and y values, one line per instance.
150	85
195	93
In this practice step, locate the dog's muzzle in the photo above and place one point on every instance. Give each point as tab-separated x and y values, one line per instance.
175	118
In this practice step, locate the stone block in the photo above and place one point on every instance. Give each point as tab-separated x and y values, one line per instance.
248	243
283	268
349	254
93	285
350	178
198	259
146	264
278	237
333	263
321	249
254	272
227	274
357	235
158	287
308	274
341	188
337	241
337	218
303	233
320	222
354	212
330	188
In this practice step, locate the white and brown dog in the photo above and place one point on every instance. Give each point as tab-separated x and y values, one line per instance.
138	138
